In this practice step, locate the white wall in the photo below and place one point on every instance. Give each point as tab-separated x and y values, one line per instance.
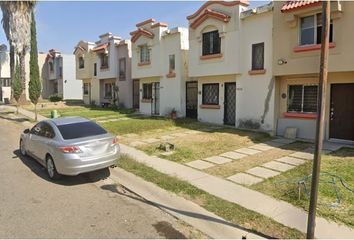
72	87
255	96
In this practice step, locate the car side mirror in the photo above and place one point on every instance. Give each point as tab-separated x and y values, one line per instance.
26	131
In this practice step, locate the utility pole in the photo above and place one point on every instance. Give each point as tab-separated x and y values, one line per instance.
321	103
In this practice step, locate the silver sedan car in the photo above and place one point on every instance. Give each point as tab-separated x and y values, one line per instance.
70	146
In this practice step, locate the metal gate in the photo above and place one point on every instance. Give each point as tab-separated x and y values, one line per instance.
192	99
155	104
230	104
136	92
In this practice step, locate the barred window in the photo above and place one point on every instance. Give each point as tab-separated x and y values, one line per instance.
258	56
211	43
108	90
302	98
104	60
147	91
144	54
5	82
211	94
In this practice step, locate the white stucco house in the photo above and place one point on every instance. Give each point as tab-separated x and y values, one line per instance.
230	61
58	76
160	68
104	68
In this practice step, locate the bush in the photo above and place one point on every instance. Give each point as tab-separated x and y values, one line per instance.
55	98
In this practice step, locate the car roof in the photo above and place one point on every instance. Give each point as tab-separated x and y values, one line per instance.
68	120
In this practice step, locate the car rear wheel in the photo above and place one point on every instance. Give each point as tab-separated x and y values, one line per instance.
51	170
22	148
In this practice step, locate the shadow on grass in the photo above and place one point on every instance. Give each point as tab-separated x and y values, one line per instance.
113	188
41	172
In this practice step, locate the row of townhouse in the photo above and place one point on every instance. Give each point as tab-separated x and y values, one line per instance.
57	73
249	68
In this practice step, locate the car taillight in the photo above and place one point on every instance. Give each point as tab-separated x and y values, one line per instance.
70	149
115	141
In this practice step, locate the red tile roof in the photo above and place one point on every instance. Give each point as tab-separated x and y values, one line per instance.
141	32
296	4
100	47
208	13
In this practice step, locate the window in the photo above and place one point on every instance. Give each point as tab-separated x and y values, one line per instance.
108	90
60	71
55	87
122	68
211	94
80	130
51	67
211	43
46	131
302	98
311	29
144	54
147	91
258	56
81	62
5	82
172	63
95	69
104	60
86	88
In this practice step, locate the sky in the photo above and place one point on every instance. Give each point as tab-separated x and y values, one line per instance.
62	24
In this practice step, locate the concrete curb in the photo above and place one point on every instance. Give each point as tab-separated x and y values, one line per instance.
187	211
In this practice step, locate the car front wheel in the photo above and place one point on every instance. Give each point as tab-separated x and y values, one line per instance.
51	170
22	148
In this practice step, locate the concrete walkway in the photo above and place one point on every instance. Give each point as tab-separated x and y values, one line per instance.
280	211
24	112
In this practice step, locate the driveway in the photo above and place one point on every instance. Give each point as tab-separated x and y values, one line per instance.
31	206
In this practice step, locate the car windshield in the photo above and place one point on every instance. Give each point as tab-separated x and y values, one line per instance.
80	130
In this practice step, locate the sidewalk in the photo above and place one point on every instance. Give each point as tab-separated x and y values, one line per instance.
24	112
280	211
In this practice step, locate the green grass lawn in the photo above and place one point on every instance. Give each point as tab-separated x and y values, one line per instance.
208	144
341	164
231	212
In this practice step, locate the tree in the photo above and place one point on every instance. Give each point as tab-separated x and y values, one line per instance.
16	22
17	85
34	86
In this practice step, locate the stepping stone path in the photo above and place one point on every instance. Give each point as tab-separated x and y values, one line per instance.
281	167
233	155
248	151
245	179
218	160
303	155
262	172
262	147
291	160
200	164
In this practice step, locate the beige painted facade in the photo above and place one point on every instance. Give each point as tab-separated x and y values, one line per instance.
96	76
296	64
238	28
168	85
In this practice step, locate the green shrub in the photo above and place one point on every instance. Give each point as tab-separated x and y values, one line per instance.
55	98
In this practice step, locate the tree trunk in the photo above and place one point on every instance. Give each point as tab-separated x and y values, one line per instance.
35	112
22	55
12	69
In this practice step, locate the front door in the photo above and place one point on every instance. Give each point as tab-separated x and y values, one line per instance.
155	104
192	100
341	120
230	104
136	92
